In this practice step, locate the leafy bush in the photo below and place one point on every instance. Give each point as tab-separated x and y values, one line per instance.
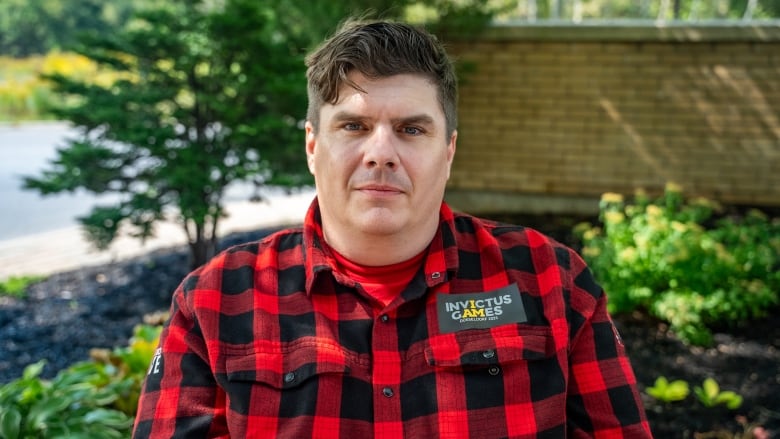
679	262
91	399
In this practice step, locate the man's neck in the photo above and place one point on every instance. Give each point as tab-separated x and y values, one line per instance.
376	251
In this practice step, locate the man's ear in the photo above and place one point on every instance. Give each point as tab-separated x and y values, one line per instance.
451	146
311	144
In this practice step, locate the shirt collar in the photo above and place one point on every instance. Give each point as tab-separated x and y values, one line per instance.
316	257
440	264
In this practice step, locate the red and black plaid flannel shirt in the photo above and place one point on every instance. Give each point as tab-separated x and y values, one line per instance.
266	340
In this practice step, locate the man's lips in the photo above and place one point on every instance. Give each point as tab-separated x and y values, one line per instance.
380	189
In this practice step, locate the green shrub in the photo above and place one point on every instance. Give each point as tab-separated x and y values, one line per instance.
16	286
658	256
91	399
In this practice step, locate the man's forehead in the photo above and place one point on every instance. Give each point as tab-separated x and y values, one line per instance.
358	82
408	95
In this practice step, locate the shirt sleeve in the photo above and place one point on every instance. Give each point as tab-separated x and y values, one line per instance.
180	397
603	400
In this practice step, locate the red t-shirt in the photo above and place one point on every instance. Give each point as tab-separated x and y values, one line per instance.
383	283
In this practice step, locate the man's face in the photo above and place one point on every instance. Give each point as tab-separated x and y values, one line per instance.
381	159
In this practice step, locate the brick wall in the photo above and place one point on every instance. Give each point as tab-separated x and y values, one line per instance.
553	116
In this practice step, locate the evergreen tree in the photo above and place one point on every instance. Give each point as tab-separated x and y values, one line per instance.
203	97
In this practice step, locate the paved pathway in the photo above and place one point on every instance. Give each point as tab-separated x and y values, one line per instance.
66	249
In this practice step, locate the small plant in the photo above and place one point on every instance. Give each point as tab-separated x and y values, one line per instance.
677	261
74	404
710	395
16	286
91	399
666	391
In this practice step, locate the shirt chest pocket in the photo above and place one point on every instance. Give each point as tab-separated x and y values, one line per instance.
284	367
289	379
495	368
482	348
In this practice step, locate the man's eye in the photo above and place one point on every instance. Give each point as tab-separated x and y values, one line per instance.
352	126
412	131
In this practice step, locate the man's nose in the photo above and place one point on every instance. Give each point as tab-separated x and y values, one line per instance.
380	149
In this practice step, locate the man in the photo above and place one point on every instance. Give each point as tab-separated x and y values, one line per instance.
386	314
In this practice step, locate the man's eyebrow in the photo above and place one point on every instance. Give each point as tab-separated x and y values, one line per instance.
417	119
346	115
420	119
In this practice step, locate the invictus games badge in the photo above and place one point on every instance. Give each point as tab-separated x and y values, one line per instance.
480	310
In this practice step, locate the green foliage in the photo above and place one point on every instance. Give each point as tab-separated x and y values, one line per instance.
315	19
202	97
462	19
666	391
685	10
129	364
16	286
37	27
91	399
659	256
74	404
710	395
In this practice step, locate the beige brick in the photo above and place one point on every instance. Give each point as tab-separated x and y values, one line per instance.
571	117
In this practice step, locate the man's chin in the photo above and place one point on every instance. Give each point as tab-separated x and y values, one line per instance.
379	222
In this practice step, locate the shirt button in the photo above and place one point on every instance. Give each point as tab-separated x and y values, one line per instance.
489	353
384	318
435	275
289	377
388	392
494	370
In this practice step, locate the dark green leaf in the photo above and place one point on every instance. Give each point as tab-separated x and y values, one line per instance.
10	422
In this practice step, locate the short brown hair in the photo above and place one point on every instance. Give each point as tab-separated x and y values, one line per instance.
379	49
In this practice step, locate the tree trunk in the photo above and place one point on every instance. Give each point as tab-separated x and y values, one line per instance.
202	247
201	251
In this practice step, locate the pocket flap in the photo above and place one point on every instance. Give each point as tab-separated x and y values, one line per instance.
286	366
484	347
